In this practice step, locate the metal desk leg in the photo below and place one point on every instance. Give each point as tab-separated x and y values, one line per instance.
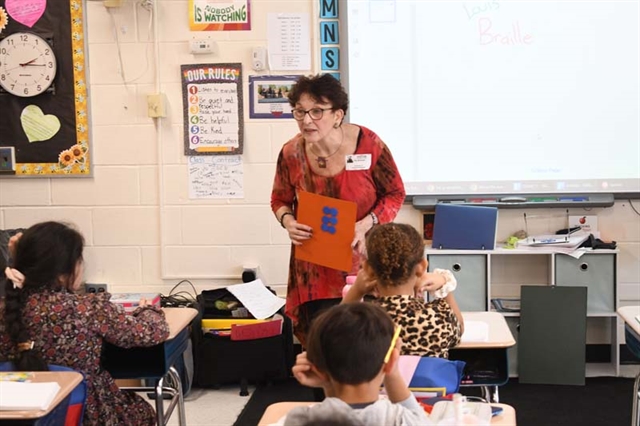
173	387
634	410
159	402
490	394
173	373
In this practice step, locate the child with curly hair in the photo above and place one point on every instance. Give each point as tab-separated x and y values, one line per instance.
396	271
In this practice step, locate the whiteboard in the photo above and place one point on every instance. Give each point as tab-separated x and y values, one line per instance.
500	96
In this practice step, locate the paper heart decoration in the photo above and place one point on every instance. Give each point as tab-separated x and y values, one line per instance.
38	126
27	12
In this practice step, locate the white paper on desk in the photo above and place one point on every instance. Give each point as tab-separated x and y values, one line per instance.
20	396
257	298
475	331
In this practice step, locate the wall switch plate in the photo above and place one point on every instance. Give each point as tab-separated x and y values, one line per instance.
156	105
7	159
199	46
259	58
95	288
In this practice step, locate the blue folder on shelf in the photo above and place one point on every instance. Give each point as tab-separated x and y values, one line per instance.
460	227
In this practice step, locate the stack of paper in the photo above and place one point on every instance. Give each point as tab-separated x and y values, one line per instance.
475	331
572	241
19	396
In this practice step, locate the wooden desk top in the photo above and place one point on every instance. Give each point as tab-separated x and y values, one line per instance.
628	314
178	319
499	334
276	411
67	380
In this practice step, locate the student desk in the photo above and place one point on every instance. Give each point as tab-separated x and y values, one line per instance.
632	337
67	380
276	411
156	362
487	362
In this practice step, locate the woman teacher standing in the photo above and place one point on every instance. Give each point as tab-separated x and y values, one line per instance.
315	160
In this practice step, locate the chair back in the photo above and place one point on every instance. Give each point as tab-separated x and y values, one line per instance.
77	399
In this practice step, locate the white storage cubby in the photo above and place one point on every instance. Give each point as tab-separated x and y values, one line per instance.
484	275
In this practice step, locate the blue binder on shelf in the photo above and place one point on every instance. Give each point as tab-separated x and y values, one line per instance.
460	227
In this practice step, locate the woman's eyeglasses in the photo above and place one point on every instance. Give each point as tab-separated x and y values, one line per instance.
314	113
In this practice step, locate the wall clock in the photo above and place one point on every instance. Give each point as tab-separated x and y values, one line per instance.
44	95
27	64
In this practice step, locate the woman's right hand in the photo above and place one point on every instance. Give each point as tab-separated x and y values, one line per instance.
298	232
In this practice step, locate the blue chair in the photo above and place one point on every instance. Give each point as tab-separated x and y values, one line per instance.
76	403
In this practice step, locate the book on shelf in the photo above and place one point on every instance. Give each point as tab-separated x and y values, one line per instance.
506	304
21	396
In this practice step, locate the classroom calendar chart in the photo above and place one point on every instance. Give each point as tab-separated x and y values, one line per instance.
212	109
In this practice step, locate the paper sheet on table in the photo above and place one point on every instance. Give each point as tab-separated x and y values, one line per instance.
27	396
257	298
475	331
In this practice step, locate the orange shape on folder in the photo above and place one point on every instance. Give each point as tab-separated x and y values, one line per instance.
333	222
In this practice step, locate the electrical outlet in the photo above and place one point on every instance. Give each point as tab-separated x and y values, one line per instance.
95	288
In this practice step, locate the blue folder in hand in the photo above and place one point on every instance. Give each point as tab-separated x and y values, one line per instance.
460	227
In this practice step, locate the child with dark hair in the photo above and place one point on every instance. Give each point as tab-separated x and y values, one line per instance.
396	269
43	322
352	349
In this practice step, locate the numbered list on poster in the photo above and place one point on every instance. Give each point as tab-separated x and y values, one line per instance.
213	116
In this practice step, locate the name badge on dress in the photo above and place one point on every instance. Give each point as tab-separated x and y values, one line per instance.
358	162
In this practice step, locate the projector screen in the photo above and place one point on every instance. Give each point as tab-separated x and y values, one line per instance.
499	97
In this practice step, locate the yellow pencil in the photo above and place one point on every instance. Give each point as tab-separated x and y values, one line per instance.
393	344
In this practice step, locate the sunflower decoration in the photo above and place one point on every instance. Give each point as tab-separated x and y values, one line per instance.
4	19
78	152
66	158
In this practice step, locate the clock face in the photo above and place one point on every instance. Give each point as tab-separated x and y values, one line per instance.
27	64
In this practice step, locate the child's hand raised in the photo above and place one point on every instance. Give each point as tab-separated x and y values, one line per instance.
13	241
365	283
429	282
307	374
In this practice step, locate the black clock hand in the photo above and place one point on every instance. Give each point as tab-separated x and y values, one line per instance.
30	62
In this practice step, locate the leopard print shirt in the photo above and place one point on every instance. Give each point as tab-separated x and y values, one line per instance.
428	328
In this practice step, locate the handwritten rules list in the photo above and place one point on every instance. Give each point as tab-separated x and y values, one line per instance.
212	103
216	177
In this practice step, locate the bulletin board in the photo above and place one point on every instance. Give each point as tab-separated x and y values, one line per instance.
49	132
212	108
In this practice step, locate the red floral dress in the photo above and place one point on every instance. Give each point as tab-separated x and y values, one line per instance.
69	330
378	189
